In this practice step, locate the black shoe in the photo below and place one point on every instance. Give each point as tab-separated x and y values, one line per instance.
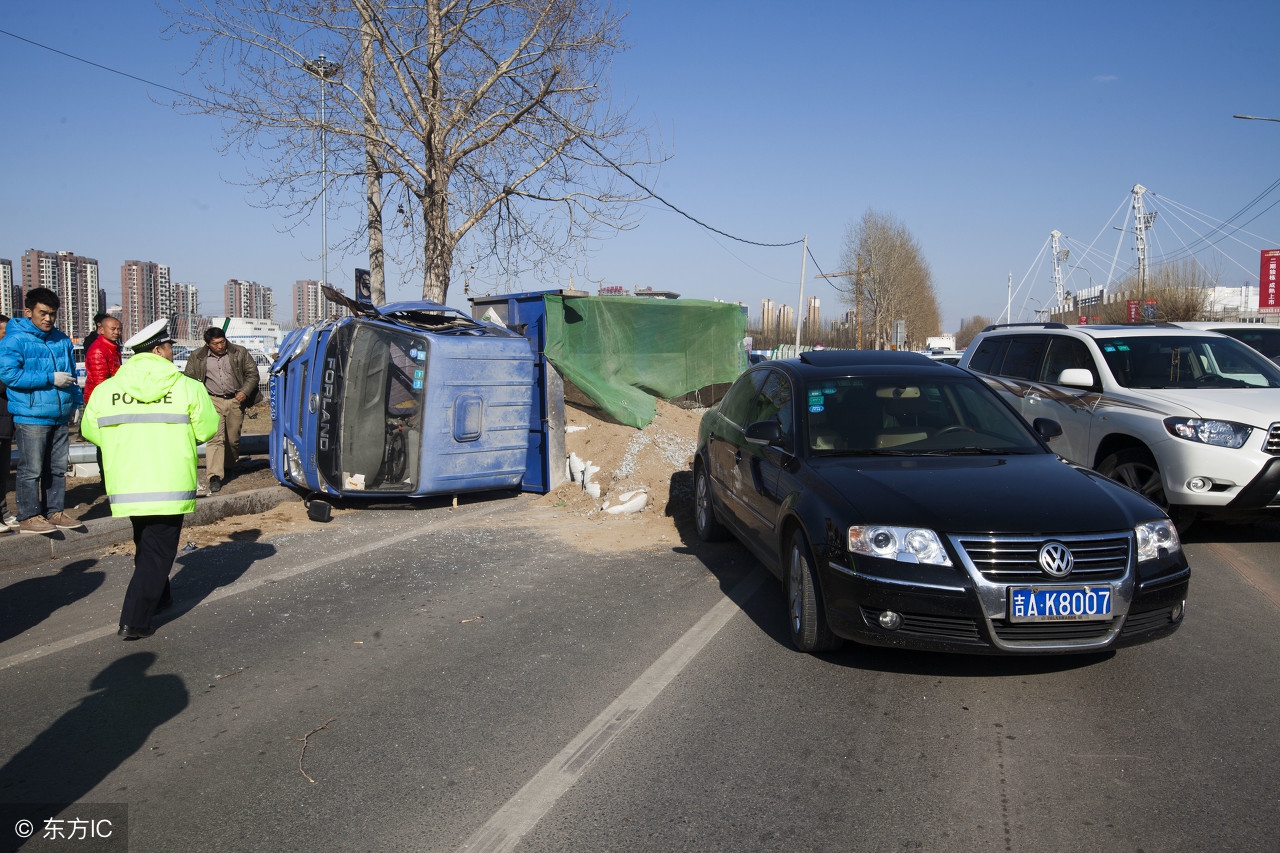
134	633
215	484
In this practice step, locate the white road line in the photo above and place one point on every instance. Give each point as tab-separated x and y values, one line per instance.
236	588
539	795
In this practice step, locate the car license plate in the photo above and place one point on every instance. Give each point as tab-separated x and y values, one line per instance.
1059	604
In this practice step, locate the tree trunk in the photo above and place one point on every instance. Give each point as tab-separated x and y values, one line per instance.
372	169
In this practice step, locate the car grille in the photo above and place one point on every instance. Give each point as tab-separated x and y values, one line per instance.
1013	559
1048	632
1272	444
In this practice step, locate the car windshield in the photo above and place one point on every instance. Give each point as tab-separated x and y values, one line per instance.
1265	339
911	415
1176	361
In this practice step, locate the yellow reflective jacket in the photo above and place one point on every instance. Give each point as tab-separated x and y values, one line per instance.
148	419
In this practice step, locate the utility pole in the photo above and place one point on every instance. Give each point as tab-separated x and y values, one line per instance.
800	303
855	275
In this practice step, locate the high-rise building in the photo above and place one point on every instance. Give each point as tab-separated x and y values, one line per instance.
73	278
249	299
9	302
310	306
145	293
786	319
813	317
768	317
184	311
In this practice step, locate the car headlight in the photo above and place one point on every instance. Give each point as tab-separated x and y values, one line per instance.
1217	433
905	544
1155	537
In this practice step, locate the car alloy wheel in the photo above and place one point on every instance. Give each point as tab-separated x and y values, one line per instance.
806	615
708	526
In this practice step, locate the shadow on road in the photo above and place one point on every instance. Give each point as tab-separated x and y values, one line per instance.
88	742
204	570
27	603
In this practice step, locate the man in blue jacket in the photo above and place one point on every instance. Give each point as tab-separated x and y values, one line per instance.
37	366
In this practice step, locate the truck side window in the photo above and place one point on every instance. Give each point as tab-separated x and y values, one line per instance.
1022	361
989	355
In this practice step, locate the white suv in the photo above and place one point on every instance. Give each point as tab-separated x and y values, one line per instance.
1189	418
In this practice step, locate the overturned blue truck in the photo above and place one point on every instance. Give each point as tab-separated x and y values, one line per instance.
413	399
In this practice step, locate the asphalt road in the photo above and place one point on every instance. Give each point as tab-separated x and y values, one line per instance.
440	680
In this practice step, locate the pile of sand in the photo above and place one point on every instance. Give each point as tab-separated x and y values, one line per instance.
656	460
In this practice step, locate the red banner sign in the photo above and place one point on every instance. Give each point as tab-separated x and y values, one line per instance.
1269	282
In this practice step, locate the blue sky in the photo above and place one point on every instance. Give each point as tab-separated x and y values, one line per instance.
982	126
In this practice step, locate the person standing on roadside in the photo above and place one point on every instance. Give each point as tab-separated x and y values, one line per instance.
97	330
8	521
148	419
38	368
101	361
230	375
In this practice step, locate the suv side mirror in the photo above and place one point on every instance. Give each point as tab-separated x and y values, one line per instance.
1076	377
764	432
1047	427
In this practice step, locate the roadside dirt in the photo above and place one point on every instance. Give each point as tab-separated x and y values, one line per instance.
655	460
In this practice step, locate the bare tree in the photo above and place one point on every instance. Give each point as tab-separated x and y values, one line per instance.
490	120
969	329
1181	290
890	281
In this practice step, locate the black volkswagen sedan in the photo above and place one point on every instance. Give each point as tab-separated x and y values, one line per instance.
903	503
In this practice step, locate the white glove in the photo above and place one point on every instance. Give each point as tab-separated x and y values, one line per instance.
63	380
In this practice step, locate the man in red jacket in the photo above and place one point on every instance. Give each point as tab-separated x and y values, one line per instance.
101	362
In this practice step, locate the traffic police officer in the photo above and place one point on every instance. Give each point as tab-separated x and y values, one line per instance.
148	419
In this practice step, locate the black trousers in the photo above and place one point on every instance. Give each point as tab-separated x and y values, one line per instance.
155	540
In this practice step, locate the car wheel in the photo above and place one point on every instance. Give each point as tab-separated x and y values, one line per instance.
1137	469
806	615
704	509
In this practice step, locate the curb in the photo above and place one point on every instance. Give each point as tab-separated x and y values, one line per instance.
24	550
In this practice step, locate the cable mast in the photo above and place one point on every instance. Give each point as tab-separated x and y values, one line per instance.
1141	222
1058	257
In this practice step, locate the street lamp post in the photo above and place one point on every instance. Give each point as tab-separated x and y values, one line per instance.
324	70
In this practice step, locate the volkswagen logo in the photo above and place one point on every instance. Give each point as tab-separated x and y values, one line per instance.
1056	560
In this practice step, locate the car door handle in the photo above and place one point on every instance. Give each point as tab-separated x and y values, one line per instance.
737	456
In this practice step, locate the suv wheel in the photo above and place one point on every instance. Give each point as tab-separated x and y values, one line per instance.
1136	468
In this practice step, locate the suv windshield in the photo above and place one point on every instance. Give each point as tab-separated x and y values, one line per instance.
911	415
1174	361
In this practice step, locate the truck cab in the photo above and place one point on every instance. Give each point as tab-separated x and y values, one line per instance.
407	399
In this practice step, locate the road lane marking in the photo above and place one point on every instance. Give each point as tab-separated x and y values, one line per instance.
539	795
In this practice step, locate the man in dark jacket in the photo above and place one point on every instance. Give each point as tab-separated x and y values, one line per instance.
38	368
230	375
8	521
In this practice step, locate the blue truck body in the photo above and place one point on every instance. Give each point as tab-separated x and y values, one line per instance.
408	399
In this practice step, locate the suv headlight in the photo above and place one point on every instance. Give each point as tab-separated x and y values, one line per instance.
1157	536
1217	433
905	544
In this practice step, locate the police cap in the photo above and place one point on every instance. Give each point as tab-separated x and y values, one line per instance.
151	337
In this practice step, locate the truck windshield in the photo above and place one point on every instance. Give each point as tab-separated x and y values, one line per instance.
382	377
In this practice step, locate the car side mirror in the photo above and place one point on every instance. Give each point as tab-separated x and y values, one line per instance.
1047	427
764	432
1076	377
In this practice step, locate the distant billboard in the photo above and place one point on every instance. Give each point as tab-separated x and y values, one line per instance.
1269	282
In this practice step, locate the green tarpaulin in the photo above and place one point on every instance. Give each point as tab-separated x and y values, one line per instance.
623	351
